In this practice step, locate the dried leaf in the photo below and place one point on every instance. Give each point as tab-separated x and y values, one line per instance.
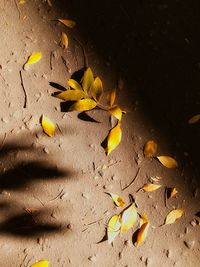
114	138
41	264
21	2
151	187
155	179
119	201
64	40
150	148
128	218
97	89
143	219
171	192
71	95
142	233
173	216
67	22
112	97
116	112
74	84
88	80
194	119
83	105
48	126
168	162
34	58
49	3
113	228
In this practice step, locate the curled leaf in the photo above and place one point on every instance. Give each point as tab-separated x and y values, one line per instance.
116	112
40	264
194	119
97	89
74	84
168	162
142	233
83	105
150	148
67	22
151	187
112	97
114	138
113	228
88	80
64	40
171	192
173	216
48	126
128	218
119	201
34	58
71	95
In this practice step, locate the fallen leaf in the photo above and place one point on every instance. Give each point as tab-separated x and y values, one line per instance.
113	228
116	112
128	218
83	105
87	80
112	97
74	84
97	89
171	192
21	2
143	219
150	148
173	216
168	162
34	58
114	138
71	95
194	119
151	187
64	40
41	264
48	126
142	233
119	201
49	3
67	22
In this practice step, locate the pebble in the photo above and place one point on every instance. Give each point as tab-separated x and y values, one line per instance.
46	150
4	120
168	253
189	244
85	195
193	223
92	258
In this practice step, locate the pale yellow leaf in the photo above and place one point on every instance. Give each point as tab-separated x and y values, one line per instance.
113	228
116	112
74	84
114	138
173	216
151	187
119	201
171	192
87	80
194	119
48	126
97	89
168	162
83	105
40	264
112	97
68	22
150	148
142	233
34	58
64	40
71	95
128	218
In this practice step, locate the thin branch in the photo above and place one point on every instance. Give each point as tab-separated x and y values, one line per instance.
25	94
65	63
136	175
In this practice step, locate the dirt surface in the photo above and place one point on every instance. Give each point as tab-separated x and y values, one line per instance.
53	201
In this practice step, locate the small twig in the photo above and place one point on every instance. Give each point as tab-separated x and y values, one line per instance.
165	197
51	60
30	212
56	196
39	200
84	53
23	260
59	129
22	84
136	175
65	63
2	77
3	141
19	11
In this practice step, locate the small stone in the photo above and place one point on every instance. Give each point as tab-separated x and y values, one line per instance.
40	241
4	120
46	150
85	195
69	226
193	223
189	244
127	243
53	215
186	230
120	255
92	258
168	253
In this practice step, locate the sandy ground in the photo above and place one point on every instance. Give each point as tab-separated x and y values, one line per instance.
53	201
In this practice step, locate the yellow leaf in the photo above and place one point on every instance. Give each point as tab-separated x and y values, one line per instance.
48	126
151	187
128	218
71	95
171	192
143	219
34	58
64	40
83	105
112	97
150	148
114	138
194	119
67	22
116	112
142	233
168	162
173	216
119	201
97	89
74	84
41	264
113	228
88	80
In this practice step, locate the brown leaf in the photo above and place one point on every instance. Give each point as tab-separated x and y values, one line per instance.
142	233
64	40
67	22
168	162
194	119
150	148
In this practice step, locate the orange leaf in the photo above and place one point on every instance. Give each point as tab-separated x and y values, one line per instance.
168	162
150	148
67	22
